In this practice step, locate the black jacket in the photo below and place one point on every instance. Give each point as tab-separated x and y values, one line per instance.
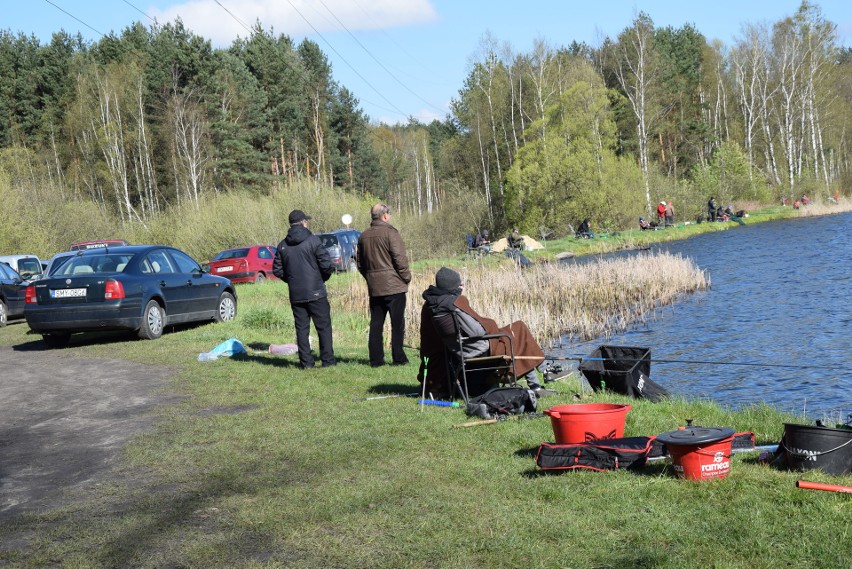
304	264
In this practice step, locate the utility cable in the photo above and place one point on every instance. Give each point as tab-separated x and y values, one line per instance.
140	11
443	81
240	22
374	58
298	71
75	17
388	101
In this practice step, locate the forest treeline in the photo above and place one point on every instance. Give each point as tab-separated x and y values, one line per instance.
138	126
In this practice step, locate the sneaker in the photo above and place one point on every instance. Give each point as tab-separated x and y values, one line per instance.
542	392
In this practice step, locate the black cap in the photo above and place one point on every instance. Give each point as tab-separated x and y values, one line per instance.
298	215
447	279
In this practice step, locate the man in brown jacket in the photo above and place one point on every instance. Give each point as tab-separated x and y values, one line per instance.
383	263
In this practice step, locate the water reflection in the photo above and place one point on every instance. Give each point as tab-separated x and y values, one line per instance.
780	295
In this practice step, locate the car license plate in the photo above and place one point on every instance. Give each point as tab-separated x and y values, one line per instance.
68	292
227	269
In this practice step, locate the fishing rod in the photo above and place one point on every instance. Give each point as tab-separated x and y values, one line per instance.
710	362
671	361
498	419
389	396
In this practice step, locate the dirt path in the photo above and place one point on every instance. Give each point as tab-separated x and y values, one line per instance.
63	421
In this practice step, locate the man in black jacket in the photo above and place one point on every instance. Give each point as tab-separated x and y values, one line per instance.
303	263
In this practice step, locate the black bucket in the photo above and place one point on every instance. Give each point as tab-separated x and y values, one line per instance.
807	447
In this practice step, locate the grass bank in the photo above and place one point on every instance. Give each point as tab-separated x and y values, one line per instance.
607	242
266	465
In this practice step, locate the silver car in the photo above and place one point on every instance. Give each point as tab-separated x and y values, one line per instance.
28	266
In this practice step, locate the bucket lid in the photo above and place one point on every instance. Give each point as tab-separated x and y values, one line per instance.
695	435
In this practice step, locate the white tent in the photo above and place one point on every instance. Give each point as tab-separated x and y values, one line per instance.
530	244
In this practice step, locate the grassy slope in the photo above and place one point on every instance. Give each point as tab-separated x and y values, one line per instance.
266	465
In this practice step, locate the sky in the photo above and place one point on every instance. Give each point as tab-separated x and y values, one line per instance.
408	58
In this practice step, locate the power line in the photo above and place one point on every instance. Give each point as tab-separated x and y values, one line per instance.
75	17
140	11
240	22
251	32
388	101
440	80
382	65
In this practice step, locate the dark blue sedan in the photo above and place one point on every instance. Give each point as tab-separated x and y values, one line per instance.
11	294
140	287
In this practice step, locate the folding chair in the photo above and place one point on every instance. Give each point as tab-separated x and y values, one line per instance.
476	374
468	238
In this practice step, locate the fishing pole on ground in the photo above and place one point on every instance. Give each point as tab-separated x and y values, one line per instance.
388	396
499	419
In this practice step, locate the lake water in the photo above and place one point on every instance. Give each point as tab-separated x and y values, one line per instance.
780	294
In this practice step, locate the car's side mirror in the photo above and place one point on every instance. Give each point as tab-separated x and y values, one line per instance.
205	268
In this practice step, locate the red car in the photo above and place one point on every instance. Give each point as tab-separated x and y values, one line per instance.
244	264
99	244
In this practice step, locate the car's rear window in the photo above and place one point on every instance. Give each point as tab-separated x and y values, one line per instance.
231	254
94	264
29	266
328	240
57	262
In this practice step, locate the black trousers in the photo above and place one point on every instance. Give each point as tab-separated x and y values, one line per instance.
380	307
320	312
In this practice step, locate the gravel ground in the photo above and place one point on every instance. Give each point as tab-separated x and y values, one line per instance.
64	420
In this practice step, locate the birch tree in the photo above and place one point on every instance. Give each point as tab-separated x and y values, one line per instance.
750	62
635	71
190	152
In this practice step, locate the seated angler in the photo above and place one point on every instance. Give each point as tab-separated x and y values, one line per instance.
585	230
514	240
480	241
644	225
445	298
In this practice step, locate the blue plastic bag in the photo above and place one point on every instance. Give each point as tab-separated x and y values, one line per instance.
227	348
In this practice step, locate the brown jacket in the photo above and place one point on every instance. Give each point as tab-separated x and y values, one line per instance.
433	364
382	260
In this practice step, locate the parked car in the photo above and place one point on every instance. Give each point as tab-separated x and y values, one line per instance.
244	264
28	266
140	287
53	264
98	244
342	246
12	289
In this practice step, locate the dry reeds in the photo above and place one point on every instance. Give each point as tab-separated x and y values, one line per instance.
580	301
825	207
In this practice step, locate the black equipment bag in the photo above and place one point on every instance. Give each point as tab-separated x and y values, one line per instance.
502	401
623	369
627	453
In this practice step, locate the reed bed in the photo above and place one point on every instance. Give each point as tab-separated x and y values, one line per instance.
555	300
825	207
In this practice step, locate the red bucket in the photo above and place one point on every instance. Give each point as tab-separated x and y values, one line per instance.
700	453
587	421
